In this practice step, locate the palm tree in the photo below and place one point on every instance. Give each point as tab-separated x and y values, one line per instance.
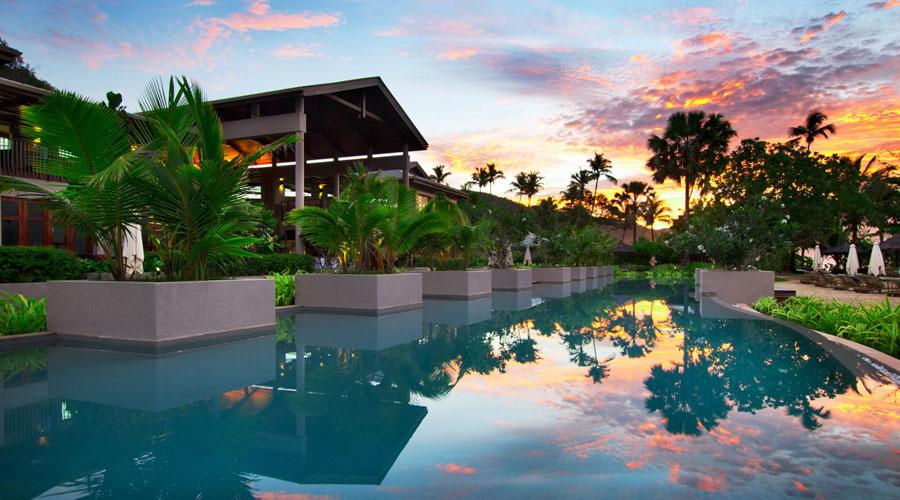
634	190
690	151
601	167
653	210
480	177
440	173
576	192
812	128
88	144
493	175
533	184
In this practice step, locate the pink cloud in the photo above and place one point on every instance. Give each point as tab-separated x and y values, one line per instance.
455	54
456	469
259	17
822	25
200	3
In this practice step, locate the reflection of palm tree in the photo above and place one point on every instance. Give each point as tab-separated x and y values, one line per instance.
809	416
690	396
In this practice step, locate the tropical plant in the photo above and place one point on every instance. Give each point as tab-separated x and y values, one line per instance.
876	325
284	288
600	167
589	246
373	223
196	198
28	264
20	314
492	175
527	184
813	127
89	145
653	210
440	173
692	149
480	177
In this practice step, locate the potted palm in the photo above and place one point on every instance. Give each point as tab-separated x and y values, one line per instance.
554	254
367	229
452	252
167	167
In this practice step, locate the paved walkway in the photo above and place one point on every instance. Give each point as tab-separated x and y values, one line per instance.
803	290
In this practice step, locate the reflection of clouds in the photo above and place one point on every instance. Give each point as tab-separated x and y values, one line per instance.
607	428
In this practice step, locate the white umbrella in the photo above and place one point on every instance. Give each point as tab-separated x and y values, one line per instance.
852	261
133	250
876	261
817	259
527	259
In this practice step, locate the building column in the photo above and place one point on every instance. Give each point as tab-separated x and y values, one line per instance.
299	185
337	176
406	164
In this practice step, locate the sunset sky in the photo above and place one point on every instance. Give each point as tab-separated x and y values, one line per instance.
529	85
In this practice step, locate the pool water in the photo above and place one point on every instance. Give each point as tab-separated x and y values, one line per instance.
585	390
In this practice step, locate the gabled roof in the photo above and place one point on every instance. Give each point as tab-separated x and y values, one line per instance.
347	118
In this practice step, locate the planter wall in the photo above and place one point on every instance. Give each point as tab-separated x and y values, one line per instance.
30	290
136	312
457	284
607	271
551	275
579	273
579	286
734	287
511	279
593	272
358	293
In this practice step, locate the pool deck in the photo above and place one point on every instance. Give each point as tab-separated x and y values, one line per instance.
792	282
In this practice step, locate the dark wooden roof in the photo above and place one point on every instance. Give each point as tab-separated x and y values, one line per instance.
892	243
8	54
348	118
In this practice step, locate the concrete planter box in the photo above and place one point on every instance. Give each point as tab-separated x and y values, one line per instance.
551	275
358	293
734	287
511	279
579	273
579	286
456	312
607	271
593	272
510	300
150	313
457	284
35	290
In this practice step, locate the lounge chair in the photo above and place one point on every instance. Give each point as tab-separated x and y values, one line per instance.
891	286
868	284
843	282
824	279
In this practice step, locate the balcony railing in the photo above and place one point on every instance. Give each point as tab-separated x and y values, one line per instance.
18	158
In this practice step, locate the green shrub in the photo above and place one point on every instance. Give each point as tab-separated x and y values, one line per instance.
284	288
29	264
647	249
873	325
272	263
19	314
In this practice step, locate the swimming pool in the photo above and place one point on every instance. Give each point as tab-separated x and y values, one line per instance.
617	391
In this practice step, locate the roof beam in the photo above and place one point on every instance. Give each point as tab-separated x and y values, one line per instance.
363	112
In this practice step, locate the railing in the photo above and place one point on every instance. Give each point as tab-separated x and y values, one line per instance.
19	156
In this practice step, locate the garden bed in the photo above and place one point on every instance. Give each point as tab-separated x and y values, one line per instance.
457	284
511	279
148	313
358	293
551	275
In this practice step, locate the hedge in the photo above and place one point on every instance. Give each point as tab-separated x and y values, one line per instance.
30	264
272	263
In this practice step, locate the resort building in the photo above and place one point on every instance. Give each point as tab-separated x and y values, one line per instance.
336	125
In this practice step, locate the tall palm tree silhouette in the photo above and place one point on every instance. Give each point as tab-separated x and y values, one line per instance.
691	150
812	128
600	166
440	173
480	177
653	210
492	175
527	184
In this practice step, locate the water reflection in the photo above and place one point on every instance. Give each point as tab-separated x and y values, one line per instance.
619	378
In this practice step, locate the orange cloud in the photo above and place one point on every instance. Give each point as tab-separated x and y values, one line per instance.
455	54
710	483
456	469
827	22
